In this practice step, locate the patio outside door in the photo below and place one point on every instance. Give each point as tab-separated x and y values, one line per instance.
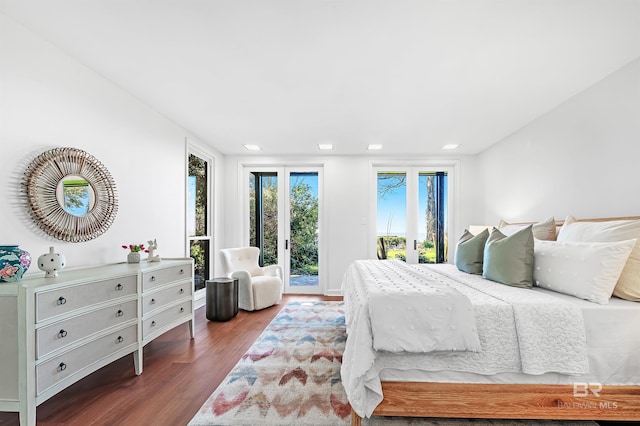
284	222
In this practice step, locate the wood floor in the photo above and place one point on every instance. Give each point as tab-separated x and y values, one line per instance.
179	375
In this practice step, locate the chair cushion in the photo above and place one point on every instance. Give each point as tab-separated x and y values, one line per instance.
242	259
267	291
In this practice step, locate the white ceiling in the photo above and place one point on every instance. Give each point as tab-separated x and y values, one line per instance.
289	74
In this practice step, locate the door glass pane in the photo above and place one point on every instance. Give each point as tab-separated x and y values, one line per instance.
391	221
432	216
199	251
303	209
263	215
197	197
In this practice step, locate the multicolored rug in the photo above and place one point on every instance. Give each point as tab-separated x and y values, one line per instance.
291	376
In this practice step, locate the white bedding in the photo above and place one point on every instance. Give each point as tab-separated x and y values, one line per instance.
520	331
613	345
411	313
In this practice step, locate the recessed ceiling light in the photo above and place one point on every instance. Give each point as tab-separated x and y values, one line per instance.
325	146
252	147
374	146
451	146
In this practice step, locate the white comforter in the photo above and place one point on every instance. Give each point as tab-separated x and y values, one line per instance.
519	330
410	313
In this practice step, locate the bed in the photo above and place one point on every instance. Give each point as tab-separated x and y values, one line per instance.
596	375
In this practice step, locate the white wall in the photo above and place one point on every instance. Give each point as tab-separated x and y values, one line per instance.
49	100
581	158
347	179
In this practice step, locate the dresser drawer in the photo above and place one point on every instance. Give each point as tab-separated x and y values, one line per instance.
158	277
62	333
163	318
59	301
51	372
159	299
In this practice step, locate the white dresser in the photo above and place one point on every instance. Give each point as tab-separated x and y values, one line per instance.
67	327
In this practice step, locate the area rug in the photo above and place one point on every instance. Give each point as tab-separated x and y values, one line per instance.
291	376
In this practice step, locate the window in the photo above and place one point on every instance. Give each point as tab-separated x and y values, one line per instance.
198	219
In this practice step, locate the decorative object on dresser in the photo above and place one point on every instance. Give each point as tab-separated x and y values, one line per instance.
153	246
14	262
70	194
51	263
62	329
134	254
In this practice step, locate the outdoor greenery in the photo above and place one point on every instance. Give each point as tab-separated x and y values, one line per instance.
76	196
269	218
199	249
395	247
303	219
198	171
304	229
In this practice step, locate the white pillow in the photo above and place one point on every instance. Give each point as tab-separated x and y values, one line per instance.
628	286
544	230
585	270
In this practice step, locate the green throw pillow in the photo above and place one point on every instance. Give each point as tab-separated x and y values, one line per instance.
470	252
509	260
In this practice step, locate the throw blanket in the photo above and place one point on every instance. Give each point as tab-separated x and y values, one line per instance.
412	312
520	331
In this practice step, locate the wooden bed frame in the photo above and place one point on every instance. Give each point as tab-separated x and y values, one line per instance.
507	401
579	401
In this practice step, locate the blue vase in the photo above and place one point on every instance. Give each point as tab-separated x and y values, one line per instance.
14	262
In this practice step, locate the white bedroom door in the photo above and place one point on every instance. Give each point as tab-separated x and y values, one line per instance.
284	213
412	213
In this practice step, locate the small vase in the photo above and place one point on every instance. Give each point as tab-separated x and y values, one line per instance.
51	263
14	262
133	257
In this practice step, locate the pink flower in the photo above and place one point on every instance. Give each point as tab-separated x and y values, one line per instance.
8	271
134	247
25	260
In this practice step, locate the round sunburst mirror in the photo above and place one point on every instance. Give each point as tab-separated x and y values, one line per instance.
71	195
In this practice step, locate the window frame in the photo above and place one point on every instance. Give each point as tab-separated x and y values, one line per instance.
452	167
192	149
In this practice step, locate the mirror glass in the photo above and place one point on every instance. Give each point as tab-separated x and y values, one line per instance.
75	195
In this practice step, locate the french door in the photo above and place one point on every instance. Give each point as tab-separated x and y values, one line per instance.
284	205
412	205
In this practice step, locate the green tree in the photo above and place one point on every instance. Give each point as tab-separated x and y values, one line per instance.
76	197
269	218
304	229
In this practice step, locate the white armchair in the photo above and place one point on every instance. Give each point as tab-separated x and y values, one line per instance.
258	287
